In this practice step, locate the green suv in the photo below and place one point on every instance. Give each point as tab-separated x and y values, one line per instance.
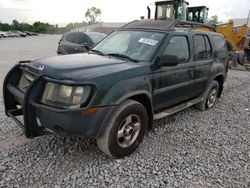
141	72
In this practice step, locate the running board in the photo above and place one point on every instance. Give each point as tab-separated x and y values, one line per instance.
177	108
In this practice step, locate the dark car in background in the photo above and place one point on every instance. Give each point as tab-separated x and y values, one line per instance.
78	42
30	33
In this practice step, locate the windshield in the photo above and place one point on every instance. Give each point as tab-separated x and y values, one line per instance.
138	45
164	12
182	11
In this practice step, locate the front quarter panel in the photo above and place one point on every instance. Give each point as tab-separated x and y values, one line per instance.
125	89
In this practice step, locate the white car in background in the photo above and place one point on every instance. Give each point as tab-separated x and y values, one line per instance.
11	34
3	34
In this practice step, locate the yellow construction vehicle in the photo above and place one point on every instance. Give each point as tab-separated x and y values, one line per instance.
173	9
236	36
198	14
178	9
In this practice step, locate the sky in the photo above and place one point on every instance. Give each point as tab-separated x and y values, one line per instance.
65	11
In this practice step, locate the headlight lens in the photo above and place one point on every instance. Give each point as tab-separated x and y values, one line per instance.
65	91
64	96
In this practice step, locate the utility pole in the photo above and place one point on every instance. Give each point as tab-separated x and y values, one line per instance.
248	17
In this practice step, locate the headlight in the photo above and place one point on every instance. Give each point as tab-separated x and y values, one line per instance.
64	96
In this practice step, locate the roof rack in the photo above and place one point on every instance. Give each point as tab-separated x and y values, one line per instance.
167	24
189	24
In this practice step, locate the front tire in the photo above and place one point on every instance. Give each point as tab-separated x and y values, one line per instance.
125	130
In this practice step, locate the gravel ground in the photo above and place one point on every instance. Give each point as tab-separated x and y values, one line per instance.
188	149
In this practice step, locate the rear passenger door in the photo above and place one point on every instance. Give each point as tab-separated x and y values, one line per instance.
220	48
173	84
203	59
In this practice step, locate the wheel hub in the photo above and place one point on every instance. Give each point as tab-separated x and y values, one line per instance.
211	97
128	131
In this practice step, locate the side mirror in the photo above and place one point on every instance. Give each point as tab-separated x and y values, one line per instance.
168	60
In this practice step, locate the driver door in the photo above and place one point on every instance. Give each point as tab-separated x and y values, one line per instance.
173	84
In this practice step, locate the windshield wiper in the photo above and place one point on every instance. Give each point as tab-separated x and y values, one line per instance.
123	56
97	52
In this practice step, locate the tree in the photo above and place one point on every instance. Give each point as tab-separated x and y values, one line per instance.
39	27
15	25
5	27
92	13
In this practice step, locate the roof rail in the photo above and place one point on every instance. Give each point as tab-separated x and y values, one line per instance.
129	23
181	23
166	24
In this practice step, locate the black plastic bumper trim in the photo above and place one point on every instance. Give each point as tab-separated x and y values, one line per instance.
19	96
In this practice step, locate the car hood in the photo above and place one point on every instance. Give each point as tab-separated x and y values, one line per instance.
80	67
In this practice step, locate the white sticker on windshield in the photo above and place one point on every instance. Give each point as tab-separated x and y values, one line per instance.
148	41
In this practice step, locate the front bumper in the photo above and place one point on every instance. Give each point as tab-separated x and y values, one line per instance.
40	119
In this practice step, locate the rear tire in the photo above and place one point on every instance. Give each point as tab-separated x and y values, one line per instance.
210	97
241	58
125	130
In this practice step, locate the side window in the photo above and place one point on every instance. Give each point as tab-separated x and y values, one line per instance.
77	38
190	16
199	48
220	47
165	12
84	39
209	48
178	46
70	37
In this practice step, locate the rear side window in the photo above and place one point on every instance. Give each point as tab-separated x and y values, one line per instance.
178	46
202	47
77	38
220	47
